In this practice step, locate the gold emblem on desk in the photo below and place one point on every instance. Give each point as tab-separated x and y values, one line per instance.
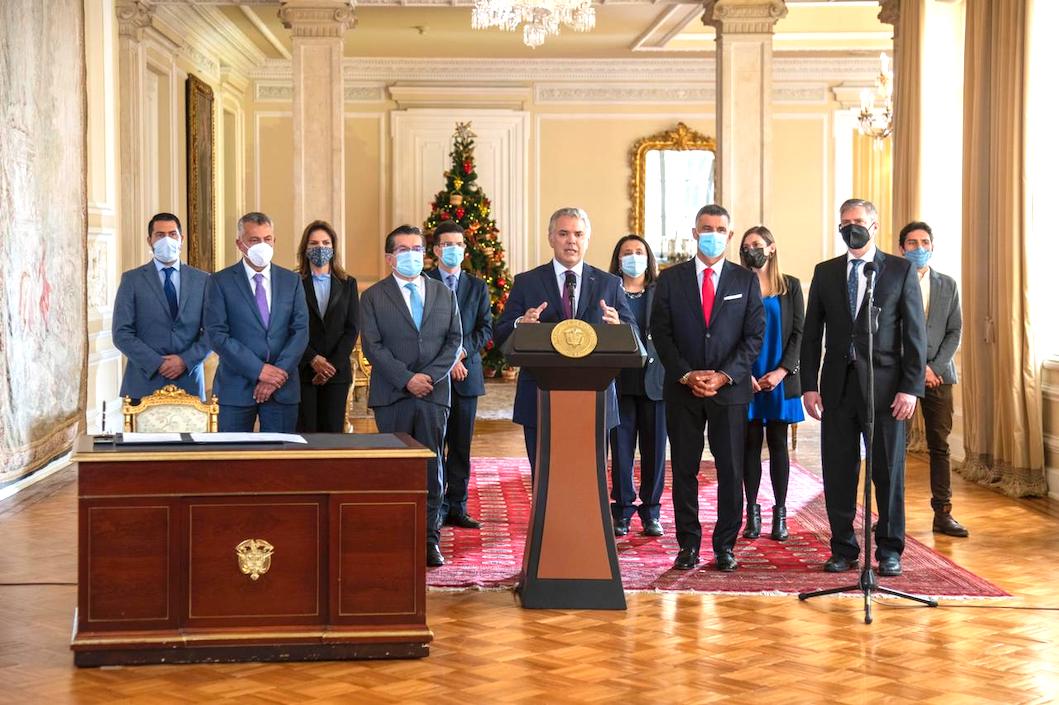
255	557
574	338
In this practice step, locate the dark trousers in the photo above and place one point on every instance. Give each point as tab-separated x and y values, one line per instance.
841	438
273	416
937	421
323	408
725	427
644	418
425	422
458	435
775	434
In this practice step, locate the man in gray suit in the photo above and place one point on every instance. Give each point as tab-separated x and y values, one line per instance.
157	321
411	334
941	302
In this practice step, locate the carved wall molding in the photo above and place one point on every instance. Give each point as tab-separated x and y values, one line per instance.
743	16
134	16
321	18
623	93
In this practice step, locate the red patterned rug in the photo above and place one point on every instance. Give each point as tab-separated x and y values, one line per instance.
499	496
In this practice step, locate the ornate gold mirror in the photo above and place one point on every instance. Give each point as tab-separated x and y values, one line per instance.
672	177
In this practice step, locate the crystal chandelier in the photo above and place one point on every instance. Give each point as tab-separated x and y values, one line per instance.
539	18
878	121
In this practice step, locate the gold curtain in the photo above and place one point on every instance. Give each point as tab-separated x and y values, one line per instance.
1003	437
873	179
907	137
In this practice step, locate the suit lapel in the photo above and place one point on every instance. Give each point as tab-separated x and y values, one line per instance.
694	296
724	284
155	284
338	292
185	289
936	295
310	296
588	290
243	285
553	296
463	291
397	298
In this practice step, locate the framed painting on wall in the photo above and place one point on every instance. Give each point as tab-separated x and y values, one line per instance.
201	192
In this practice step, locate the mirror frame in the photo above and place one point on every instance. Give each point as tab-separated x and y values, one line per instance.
681	138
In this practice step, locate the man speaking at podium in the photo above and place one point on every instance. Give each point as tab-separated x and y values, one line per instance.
562	289
707	323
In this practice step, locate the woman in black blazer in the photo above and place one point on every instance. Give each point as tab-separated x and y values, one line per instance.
333	302
641	411
777	389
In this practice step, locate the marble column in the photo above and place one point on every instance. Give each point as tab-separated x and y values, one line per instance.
744	104
317	29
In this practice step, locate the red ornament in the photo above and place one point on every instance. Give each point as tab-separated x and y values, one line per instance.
467	166
445	216
459	212
489	345
501	282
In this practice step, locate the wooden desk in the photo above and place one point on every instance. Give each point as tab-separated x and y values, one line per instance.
159	578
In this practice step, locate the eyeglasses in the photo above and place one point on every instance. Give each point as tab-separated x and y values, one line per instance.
401	250
451	244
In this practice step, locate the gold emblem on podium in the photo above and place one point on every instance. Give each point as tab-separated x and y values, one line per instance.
255	557
573	338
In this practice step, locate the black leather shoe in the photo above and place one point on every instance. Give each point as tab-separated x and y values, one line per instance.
838	564
621	527
779	524
434	557
945	524
463	521
890	566
686	559
652	527
753	521
726	562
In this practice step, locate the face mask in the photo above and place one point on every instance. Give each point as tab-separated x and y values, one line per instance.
855	236
409	264
918	257
451	256
320	256
260	254
634	265
754	257
166	250
712	244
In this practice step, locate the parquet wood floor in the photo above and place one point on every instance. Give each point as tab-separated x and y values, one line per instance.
666	648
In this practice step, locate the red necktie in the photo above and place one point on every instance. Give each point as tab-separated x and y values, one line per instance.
707	295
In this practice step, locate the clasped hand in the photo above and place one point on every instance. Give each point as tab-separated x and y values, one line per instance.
705	383
420	385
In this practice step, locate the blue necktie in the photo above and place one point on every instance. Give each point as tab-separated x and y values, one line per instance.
851	286
450	279
417	304
170	291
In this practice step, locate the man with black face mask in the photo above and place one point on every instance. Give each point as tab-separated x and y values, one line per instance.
836	394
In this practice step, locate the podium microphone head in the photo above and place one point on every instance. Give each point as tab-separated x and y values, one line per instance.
870	268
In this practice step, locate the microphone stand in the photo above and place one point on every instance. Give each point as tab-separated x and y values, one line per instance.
868	583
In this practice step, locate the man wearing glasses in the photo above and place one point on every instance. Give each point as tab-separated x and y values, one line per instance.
410	332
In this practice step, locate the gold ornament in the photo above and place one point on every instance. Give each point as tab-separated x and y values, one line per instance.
457	182
487	251
455	199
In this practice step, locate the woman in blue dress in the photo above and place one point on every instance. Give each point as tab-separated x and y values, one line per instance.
777	390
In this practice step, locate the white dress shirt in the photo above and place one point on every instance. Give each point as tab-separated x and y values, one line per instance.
421	288
266	281
862	281
700	268
560	278
924	288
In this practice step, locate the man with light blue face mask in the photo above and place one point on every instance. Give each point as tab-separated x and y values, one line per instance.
411	334
157	320
941	302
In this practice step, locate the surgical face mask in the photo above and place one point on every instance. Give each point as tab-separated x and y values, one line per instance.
409	263
320	256
166	250
451	256
855	235
260	254
712	244
754	257
918	257
634	265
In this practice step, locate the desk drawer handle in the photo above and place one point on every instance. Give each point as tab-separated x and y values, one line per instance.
255	557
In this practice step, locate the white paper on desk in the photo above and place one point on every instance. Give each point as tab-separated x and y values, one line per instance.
247	438
150	438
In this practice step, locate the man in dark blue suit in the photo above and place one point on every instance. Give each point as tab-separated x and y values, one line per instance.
158	317
472	296
564	288
258	323
708	323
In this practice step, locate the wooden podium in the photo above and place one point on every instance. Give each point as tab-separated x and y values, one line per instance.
212	553
571	561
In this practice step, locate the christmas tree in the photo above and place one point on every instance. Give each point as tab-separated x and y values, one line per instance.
462	201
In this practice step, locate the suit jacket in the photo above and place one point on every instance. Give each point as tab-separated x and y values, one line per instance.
900	340
472	295
944	326
530	289
239	337
653	372
397	350
332	333
792	316
144	330
730	344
